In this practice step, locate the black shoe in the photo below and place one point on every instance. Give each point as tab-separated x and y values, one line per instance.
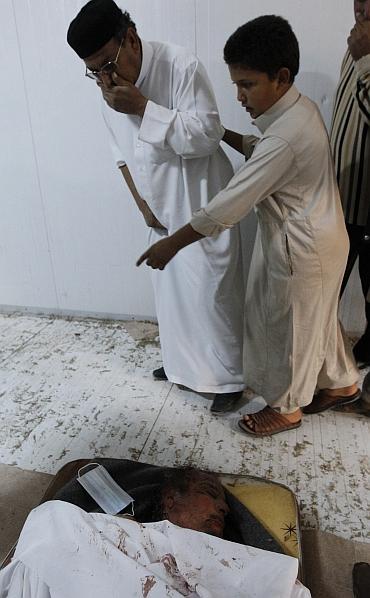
361	350
361	580
160	374
222	403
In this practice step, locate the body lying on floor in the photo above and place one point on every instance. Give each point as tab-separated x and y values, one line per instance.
65	552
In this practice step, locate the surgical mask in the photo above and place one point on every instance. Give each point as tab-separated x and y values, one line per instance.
104	490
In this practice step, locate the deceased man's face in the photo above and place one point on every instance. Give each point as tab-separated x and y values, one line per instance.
202	507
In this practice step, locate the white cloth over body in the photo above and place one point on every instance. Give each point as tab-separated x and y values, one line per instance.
175	160
293	340
64	552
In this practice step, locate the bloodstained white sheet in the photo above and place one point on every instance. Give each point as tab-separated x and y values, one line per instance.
64	552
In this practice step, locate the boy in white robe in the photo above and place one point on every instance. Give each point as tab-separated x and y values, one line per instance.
293	342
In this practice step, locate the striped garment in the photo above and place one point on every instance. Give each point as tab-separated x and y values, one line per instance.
350	138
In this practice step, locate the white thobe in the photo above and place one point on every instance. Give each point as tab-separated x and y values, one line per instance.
64	552
175	160
293	340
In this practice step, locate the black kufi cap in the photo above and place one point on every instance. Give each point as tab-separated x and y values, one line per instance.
93	27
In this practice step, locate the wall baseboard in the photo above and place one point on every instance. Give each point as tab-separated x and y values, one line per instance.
70	313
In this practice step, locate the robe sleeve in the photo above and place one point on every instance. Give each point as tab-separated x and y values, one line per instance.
192	128
362	90
271	166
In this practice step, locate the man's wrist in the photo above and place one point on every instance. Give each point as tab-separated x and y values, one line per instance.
175	241
185	236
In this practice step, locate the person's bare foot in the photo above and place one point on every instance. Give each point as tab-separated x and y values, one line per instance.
294	417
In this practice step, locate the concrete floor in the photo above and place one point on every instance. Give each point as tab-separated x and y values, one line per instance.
83	388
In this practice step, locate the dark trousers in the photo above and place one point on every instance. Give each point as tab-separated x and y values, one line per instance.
359	247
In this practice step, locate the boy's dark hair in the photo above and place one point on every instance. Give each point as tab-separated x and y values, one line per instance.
265	44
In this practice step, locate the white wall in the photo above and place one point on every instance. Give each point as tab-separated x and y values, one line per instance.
69	233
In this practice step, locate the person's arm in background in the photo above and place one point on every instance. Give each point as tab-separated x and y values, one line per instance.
359	47
234	140
244	144
149	217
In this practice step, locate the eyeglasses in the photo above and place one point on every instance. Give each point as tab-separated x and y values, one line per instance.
107	69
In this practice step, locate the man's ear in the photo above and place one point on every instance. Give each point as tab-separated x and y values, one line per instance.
168	502
132	40
283	76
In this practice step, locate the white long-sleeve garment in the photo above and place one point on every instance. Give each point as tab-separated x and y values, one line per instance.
175	160
64	552
293	340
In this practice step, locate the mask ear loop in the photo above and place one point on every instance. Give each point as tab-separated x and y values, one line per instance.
132	514
85	466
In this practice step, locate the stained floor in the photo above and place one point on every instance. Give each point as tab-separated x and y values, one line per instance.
83	388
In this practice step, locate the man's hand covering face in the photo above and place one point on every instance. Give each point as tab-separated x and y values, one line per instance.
123	96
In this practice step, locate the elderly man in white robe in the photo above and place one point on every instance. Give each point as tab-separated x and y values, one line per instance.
293	341
165	133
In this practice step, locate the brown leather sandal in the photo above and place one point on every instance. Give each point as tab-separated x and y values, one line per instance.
266	422
322	401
